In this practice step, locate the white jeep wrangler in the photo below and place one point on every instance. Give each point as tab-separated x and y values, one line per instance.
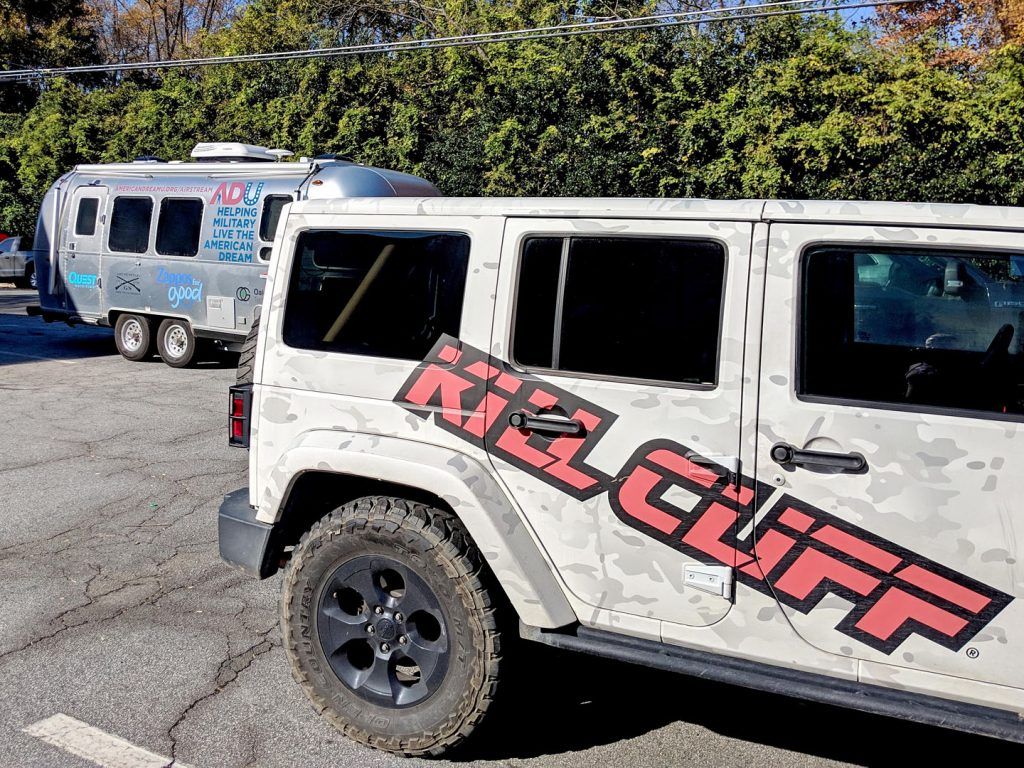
770	443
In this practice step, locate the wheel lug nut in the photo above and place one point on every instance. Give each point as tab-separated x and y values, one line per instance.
370	629
378	610
399	617
385	647
402	639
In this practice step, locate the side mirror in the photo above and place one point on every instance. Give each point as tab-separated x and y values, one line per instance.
953	280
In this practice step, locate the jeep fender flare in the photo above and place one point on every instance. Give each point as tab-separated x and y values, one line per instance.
504	539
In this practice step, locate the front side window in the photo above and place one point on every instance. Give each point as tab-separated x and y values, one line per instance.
646	308
272	206
85	222
129	224
382	294
177	230
915	328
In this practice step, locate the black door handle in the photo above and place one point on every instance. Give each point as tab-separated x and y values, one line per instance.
545	425
789	455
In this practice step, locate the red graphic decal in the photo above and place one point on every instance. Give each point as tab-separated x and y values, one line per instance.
813	567
802	553
465	392
859	549
895	608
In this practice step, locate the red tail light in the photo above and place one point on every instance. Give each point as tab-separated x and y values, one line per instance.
239	410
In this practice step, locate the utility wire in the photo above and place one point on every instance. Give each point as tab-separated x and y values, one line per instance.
688	18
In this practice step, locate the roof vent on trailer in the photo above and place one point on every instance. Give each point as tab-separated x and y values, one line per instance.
236	152
148	159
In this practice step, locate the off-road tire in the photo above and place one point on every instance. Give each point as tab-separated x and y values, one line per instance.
143	327
184	360
247	357
433	544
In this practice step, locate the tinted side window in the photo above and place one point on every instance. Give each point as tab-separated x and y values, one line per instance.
129	224
536	300
631	307
922	328
85	223
272	205
385	294
177	231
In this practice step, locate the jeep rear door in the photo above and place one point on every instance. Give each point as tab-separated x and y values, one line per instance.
616	412
889	444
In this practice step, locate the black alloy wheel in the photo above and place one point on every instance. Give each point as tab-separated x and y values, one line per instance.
383	631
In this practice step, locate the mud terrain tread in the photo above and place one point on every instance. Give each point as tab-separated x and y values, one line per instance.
464	566
247	356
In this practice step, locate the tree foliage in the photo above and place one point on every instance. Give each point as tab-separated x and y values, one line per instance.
784	107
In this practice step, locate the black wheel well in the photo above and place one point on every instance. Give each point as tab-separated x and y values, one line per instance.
316	492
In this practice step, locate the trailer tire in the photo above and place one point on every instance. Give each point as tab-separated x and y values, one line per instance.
450	625
176	343
133	335
247	357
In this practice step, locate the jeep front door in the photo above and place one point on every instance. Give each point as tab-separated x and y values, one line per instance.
889	434
615	408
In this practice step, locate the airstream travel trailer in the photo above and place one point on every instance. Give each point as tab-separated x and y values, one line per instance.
170	252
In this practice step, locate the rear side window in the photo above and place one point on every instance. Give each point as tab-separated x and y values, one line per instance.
622	307
918	329
272	205
177	231
85	222
383	294
129	224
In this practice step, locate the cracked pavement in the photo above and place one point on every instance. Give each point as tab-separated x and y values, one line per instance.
116	609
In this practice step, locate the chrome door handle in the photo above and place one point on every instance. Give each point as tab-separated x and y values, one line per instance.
790	456
545	425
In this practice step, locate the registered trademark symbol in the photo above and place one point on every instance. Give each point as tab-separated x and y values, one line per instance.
973	653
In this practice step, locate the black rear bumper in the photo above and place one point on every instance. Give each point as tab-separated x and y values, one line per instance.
245	542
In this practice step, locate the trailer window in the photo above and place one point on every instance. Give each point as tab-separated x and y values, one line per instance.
272	206
177	231
129	224
85	223
383	294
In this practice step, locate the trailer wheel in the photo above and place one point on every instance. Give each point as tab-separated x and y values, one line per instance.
133	335
176	343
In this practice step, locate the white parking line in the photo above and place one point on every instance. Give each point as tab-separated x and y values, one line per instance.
38	357
97	746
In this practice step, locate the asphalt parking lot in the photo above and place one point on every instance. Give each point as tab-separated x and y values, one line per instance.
117	612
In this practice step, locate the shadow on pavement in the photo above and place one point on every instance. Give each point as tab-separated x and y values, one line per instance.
577	702
25	339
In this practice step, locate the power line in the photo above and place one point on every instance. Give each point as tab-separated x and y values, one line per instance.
688	18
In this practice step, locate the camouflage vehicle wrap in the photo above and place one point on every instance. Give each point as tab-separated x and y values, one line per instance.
849	538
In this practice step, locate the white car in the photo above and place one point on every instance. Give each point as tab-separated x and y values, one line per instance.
16	265
773	443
